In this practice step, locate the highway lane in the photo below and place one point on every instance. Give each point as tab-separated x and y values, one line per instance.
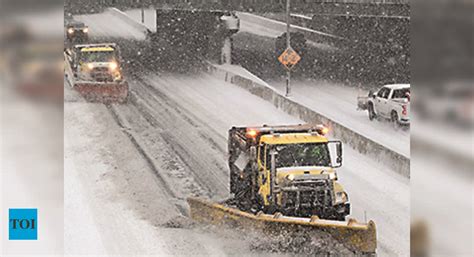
200	104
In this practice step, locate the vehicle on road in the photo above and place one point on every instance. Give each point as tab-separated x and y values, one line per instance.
283	181
288	169
391	102
95	71
76	32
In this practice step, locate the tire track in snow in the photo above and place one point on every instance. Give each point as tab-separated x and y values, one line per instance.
149	160
184	134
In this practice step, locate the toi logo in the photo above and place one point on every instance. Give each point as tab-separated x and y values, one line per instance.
23	224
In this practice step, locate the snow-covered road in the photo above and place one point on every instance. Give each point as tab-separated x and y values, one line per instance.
375	192
114	203
182	121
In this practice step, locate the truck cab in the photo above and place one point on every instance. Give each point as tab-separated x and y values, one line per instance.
97	62
294	172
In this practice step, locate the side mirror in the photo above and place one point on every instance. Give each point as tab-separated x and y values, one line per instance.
338	158
339	154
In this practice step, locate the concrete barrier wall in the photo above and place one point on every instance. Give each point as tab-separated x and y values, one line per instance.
360	143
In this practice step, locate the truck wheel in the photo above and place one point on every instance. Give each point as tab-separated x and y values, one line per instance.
371	111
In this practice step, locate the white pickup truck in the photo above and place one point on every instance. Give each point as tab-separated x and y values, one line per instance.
390	102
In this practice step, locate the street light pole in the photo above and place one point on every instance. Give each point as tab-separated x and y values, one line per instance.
288	45
143	12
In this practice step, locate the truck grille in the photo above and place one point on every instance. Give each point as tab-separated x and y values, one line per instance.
101	74
310	198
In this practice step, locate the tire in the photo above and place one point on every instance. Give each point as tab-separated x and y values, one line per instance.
370	109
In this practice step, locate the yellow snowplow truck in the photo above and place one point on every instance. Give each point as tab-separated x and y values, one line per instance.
286	169
95	71
283	182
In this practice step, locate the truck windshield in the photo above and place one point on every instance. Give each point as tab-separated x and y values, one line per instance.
97	56
311	154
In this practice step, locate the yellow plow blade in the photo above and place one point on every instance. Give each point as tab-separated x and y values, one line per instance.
357	237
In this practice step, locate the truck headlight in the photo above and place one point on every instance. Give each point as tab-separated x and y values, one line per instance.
332	175
85	30
70	30
90	66
341	197
290	177
113	65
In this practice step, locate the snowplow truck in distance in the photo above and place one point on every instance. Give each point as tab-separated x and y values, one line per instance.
95	71
286	169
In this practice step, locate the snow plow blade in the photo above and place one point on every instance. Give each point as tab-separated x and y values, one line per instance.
102	92
354	236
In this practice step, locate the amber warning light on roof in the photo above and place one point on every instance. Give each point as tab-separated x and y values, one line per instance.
322	130
251	133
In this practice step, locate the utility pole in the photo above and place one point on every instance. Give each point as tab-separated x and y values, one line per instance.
288	45
143	12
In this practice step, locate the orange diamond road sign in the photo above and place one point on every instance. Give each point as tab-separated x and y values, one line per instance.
289	58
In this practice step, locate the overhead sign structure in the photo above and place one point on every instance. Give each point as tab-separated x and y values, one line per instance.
289	58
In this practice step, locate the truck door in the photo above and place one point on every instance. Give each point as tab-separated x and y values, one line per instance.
381	101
